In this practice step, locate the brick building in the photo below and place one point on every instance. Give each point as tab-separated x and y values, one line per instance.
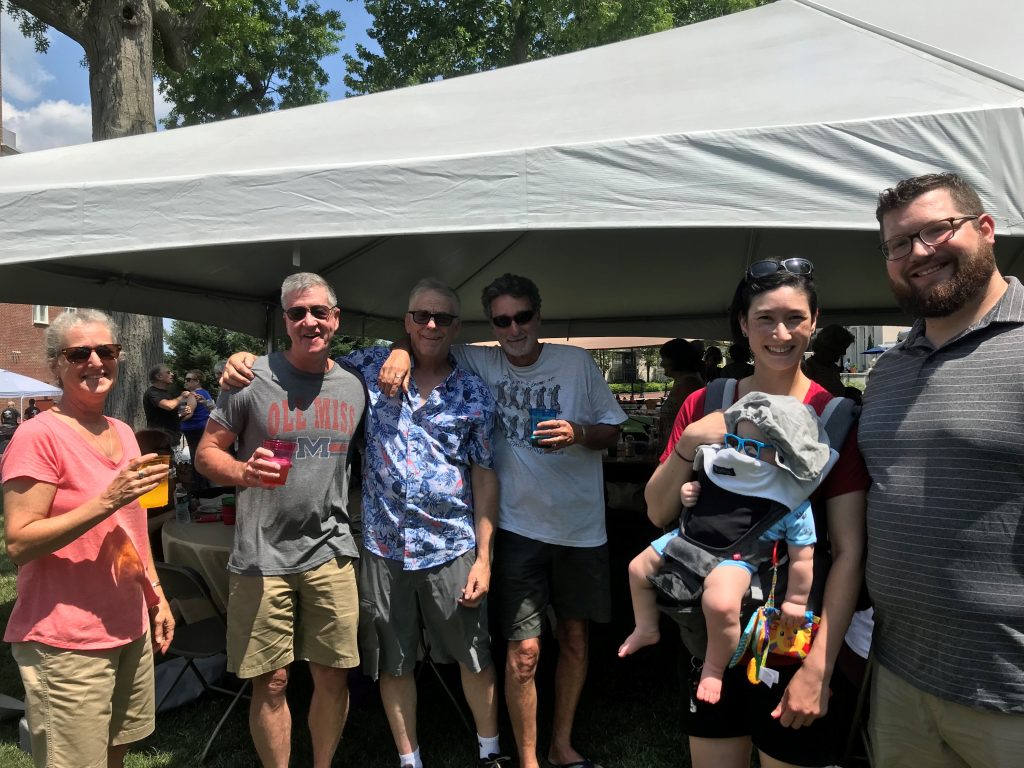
22	327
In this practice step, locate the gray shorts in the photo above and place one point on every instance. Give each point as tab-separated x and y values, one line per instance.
395	604
530	575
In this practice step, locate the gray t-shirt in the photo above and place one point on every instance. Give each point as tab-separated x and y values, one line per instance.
304	523
557	497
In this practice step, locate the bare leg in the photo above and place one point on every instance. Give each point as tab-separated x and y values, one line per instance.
521	696
115	755
720	753
399	697
723	592
645	609
481	695
570	675
270	720
328	710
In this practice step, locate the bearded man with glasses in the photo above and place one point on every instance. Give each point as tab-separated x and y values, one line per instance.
940	433
292	568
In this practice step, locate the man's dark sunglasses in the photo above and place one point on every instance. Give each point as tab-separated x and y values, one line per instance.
298	314
81	354
795	266
422	317
520	318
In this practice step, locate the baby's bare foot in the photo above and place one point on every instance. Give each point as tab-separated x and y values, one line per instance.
640	638
709	689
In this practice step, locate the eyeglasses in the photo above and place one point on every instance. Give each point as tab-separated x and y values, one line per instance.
936	233
298	314
746	445
81	354
191	378
520	318
795	266
422	317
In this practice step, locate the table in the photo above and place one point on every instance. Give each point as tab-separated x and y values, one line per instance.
204	547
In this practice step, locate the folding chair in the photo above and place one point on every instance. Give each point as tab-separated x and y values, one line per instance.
200	638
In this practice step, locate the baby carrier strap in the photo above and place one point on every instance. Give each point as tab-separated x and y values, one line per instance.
837	417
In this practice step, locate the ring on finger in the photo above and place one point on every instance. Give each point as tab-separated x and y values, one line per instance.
140	474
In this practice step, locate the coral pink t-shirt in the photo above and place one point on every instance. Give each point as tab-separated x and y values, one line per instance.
90	594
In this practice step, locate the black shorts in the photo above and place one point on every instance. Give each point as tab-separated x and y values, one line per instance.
746	710
530	575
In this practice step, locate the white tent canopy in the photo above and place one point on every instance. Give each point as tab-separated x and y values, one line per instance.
633	182
14	385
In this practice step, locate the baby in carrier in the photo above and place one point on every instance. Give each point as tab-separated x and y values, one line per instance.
749	492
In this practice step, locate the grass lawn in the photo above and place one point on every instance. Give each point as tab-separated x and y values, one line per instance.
627	717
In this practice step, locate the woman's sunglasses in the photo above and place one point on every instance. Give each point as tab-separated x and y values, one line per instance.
795	266
81	354
520	318
298	314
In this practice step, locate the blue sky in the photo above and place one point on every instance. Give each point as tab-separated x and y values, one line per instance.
46	97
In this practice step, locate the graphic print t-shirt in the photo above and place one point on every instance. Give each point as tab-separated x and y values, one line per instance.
298	526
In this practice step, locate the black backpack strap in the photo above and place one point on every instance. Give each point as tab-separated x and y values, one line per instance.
838	417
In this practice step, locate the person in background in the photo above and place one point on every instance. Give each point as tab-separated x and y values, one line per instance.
829	345
87	589
32	409
941	435
682	363
165	410
10	415
712	367
739	366
192	427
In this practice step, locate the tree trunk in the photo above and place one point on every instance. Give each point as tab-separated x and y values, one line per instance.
142	339
118	42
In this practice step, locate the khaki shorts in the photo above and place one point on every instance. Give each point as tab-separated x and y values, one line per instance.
313	615
79	702
395	602
913	729
531	575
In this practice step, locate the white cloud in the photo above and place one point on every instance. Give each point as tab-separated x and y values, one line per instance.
24	74
49	124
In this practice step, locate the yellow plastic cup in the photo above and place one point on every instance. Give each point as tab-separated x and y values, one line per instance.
158	497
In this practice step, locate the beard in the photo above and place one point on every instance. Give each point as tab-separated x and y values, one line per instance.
943	299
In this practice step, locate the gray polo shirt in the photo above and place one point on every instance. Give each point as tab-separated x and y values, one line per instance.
942	433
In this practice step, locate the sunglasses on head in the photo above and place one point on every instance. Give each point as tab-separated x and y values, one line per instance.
298	314
795	266
422	317
81	354
520	318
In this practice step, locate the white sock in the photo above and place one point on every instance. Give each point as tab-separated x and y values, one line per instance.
488	746
412	760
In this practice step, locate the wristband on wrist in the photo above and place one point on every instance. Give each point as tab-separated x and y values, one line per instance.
677	453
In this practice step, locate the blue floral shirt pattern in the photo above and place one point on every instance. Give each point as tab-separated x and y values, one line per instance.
417	495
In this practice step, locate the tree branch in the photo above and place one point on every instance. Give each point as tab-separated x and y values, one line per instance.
66	17
176	32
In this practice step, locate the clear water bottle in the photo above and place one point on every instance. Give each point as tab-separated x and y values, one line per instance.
181	505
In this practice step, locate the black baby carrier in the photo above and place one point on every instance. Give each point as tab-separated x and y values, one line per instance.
703	543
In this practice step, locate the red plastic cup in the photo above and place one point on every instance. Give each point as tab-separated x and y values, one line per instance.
284	451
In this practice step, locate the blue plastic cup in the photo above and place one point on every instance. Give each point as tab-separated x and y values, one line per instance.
537	415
